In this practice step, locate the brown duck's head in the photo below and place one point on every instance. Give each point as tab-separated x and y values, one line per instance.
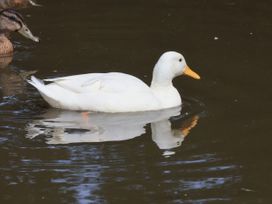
12	21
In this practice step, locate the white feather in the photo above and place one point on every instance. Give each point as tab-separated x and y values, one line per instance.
115	92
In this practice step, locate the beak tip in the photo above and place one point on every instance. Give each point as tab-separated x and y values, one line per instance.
191	73
36	39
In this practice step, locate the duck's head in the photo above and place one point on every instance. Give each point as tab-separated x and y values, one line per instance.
173	64
12	21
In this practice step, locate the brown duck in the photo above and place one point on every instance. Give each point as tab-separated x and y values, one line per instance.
12	21
4	4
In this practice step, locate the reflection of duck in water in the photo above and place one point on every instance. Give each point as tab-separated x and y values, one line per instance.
166	137
4	4
67	127
12	21
12	82
5	61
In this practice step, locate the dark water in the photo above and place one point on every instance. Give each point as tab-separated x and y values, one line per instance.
216	150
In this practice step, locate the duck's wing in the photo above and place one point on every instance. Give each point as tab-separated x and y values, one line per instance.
104	82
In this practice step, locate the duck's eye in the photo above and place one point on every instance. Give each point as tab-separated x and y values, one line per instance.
180	59
12	18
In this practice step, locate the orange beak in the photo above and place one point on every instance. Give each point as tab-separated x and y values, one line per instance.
191	73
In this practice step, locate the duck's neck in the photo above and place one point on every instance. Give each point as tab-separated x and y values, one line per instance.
6	46
161	77
163	89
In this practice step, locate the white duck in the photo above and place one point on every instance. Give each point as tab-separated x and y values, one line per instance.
117	92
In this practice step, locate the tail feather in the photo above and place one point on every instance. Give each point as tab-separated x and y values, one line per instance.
46	94
35	82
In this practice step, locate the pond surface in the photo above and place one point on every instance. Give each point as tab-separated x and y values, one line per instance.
216	149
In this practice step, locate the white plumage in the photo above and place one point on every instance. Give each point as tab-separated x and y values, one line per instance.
117	92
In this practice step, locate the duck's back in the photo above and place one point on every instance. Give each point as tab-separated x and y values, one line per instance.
105	82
